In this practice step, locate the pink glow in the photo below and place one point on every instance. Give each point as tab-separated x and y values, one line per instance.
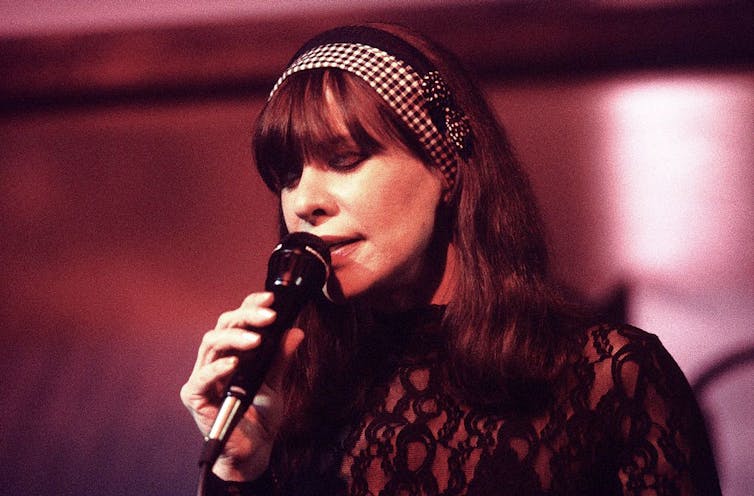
681	162
680	155
40	16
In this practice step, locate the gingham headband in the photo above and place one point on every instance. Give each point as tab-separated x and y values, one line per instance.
404	78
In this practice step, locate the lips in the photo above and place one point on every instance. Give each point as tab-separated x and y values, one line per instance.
339	246
334	242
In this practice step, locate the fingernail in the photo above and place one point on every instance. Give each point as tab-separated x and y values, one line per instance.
266	313
250	337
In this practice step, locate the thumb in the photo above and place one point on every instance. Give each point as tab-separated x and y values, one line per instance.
267	403
288	345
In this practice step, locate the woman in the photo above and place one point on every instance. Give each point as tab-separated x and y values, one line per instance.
441	360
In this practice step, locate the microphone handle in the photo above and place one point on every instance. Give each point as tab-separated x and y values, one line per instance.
252	369
253	364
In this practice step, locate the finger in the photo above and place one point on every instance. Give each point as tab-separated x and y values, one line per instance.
252	302
244	317
207	377
218	343
259	299
203	384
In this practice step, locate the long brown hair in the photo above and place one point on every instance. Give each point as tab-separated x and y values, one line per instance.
505	326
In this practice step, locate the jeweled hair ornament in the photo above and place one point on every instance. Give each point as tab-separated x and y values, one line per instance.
404	78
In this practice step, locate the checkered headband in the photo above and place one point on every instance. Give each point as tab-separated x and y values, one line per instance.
422	101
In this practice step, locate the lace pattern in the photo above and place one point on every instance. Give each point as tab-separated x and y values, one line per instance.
623	420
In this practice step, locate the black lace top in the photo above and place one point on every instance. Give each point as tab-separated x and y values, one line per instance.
623	420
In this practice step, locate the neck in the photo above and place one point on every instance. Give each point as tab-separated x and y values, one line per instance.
446	287
432	287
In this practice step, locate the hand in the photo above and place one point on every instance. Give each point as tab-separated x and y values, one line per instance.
247	452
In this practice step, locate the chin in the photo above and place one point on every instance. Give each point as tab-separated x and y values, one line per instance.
340	289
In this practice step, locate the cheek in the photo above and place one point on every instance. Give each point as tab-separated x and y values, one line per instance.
411	211
289	218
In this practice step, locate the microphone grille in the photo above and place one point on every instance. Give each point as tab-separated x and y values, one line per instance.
306	241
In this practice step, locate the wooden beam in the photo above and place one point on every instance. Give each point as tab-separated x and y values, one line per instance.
497	41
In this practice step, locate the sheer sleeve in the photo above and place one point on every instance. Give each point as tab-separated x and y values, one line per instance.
664	444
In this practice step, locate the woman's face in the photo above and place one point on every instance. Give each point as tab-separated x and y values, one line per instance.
377	215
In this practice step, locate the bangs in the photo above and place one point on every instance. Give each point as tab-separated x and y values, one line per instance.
310	113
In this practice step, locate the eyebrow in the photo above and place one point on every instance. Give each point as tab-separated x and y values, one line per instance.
341	140
335	144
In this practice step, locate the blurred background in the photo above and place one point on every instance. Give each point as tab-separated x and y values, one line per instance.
131	216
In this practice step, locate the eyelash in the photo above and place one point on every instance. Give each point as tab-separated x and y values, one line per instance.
288	180
342	163
346	161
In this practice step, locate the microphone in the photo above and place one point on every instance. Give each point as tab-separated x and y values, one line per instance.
298	268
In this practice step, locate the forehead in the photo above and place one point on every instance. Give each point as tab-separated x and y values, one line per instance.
333	112
312	111
336	107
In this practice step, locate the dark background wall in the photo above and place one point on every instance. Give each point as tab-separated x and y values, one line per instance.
131	216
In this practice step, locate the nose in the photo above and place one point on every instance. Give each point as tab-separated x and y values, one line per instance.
310	199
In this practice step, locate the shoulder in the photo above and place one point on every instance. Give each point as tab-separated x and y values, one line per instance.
626	378
626	360
605	341
624	343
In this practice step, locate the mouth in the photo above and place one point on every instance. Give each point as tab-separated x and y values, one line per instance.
339	246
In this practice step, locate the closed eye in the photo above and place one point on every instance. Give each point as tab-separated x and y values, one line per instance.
342	162
348	161
289	177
